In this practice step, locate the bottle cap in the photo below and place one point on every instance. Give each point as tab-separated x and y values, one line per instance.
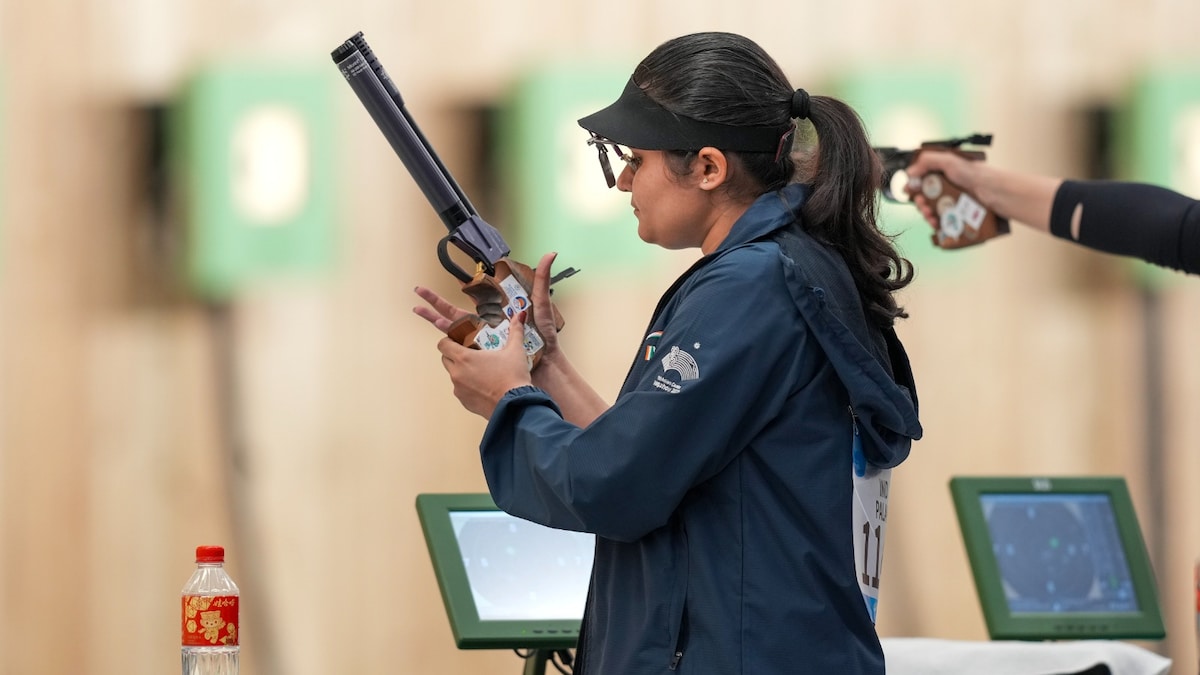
210	554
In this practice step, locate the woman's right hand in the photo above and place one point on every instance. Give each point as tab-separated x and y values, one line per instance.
1024	197
957	170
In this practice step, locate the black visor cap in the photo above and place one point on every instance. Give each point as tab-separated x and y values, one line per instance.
636	121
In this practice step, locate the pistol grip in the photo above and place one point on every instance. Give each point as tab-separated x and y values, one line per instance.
497	299
464	330
962	220
472	331
524	275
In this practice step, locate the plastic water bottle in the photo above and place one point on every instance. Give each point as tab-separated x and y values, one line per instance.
210	617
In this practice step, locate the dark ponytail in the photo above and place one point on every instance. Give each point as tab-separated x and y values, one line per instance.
842	209
727	78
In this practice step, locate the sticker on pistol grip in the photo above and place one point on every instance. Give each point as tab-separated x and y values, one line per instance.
533	340
210	621
971	211
518	301
489	338
518	297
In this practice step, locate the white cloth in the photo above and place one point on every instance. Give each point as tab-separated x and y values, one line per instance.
928	656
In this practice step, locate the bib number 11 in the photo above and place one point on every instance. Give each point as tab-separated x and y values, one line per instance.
871	486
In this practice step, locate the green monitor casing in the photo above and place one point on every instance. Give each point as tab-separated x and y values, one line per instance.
1057	558
506	583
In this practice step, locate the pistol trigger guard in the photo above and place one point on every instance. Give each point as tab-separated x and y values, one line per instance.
449	265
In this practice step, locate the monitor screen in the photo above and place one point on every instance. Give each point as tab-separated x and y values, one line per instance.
505	582
1057	558
518	570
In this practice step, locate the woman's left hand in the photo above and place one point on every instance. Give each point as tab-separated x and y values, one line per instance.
481	378
440	312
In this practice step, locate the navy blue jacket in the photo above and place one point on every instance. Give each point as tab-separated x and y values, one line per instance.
719	482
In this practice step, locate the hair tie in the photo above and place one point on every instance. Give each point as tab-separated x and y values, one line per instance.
800	104
785	141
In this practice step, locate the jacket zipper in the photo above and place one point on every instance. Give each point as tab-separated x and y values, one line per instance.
677	653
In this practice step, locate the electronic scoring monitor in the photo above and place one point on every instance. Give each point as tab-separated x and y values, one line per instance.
506	582
1057	558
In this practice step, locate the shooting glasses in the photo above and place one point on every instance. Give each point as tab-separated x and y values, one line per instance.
602	146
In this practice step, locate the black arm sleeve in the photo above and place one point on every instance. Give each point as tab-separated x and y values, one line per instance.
1131	219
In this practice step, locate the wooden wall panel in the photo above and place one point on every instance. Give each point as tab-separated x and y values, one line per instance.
115	391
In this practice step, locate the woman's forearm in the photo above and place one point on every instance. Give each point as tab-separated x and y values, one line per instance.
1025	198
578	401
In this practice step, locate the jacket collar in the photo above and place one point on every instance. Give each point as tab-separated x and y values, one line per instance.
770	212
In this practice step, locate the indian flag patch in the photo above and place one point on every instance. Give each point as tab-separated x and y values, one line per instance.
650	344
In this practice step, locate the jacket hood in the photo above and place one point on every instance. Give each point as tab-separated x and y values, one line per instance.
870	361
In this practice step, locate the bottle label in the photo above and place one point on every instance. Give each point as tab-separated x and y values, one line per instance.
210	621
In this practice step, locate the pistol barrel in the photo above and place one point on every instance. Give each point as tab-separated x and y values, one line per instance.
383	102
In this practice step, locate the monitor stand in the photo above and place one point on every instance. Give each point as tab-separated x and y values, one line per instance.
535	663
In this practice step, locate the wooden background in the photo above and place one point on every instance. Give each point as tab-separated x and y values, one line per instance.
119	397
